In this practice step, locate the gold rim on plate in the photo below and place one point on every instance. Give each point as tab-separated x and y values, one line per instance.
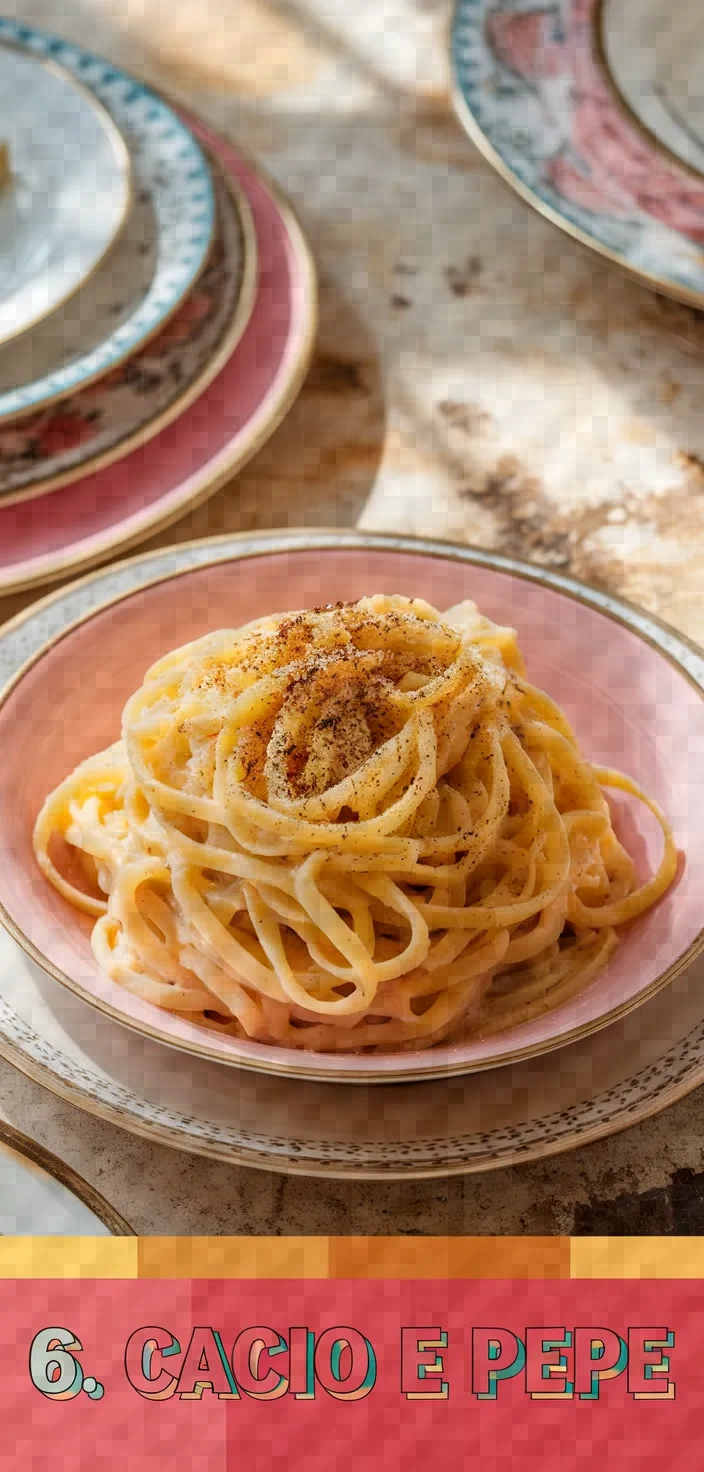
264	544
210	480
234	333
209	1145
124	163
602	56
479	138
38	1155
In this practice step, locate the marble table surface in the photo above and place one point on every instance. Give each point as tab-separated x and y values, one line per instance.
477	376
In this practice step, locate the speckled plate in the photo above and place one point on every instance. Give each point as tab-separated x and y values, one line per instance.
155	263
140	398
42	1197
593	110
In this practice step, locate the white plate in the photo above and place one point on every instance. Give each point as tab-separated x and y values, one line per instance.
69	191
132	295
655	56
40	1196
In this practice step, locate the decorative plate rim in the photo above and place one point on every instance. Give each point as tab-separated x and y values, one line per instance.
54	566
622	102
690	296
58	1169
34	41
244	306
553	1134
258	544
124	164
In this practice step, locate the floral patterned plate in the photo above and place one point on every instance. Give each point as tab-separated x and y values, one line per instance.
141	397
525	1110
593	111
117	506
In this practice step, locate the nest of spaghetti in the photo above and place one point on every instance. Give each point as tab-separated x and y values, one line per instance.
352	828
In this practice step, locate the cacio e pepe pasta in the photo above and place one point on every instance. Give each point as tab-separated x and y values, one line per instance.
356	827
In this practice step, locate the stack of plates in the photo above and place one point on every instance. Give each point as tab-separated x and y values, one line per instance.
618	1051
157	309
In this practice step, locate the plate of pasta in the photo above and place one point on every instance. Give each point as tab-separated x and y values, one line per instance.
356	808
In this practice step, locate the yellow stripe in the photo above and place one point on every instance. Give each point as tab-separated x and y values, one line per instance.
354	1257
438	1258
449	1257
637	1257
233	1257
68	1257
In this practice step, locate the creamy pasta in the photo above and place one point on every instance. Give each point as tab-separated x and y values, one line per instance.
357	827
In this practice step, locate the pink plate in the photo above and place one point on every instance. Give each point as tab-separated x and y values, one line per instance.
593	110
94	518
619	675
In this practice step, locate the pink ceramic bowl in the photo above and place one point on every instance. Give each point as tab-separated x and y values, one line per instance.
631	702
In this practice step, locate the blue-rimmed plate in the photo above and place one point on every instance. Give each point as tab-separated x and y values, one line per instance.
169	232
593	111
63	152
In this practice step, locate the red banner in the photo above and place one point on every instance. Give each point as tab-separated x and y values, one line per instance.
347	1374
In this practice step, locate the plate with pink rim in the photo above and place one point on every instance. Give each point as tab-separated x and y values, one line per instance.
632	689
485	1121
110	510
593	110
139	398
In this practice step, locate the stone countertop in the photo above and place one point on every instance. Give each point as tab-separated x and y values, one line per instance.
478	376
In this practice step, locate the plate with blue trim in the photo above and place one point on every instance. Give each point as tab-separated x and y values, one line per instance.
65	188
156	260
593	111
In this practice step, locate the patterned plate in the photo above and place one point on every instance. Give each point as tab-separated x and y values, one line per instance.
176	211
42	1197
525	1110
592	110
203	448
140	398
69	190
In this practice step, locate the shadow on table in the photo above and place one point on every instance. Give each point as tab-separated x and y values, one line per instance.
319	466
